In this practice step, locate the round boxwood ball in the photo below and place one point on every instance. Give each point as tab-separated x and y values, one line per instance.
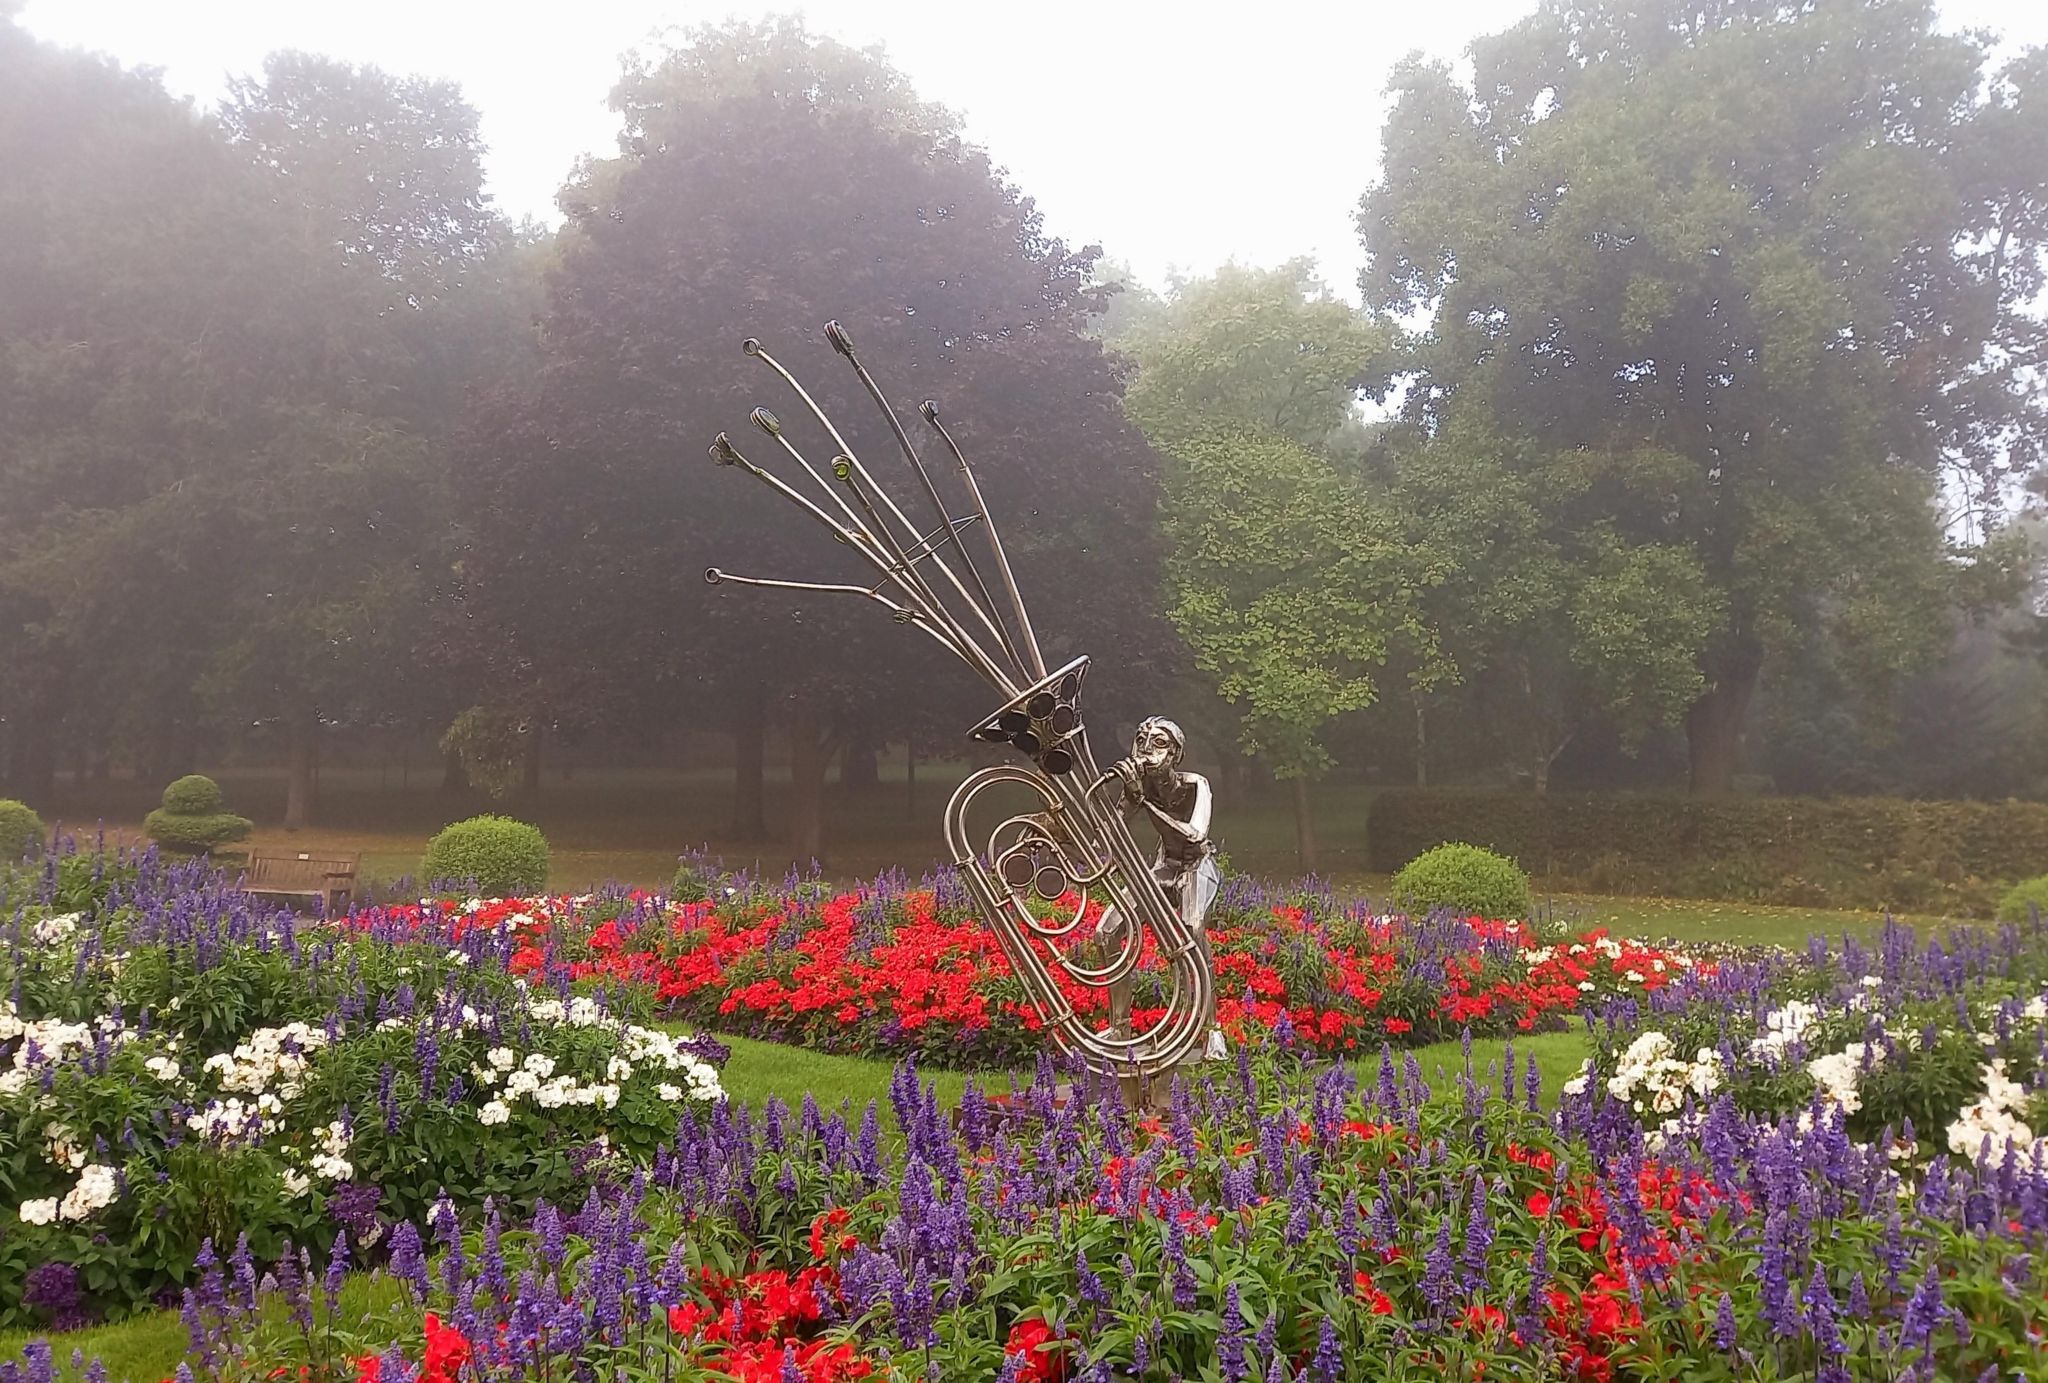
1467	880
2024	898
499	856
21	830
195	794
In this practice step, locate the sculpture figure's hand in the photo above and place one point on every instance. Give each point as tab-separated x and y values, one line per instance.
1132	777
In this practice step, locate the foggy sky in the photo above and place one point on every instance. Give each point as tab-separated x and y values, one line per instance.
1174	144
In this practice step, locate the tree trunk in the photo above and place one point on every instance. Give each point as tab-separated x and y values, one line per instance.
860	765
298	781
1421	741
454	777
809	753
529	768
1713	724
749	742
1304	828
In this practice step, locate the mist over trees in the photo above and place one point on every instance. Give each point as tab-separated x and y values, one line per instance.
1675	443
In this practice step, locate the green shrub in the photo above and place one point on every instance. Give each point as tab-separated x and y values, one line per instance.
195	794
1465	878
1846	852
2030	895
192	819
21	830
502	857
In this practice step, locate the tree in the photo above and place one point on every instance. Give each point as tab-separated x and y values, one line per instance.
769	181
1291	587
1269	347
1749	271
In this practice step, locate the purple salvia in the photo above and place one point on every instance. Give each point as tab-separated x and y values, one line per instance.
1230	1342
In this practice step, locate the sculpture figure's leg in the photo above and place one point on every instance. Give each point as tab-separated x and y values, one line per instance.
1198	893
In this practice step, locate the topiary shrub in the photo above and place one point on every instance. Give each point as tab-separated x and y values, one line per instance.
2032	894
502	857
195	794
21	830
1466	879
193	818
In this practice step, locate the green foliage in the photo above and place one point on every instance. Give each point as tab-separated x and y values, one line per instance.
1466	879
490	743
191	820
1287	585
2024	899
195	794
21	830
1861	852
498	855
1269	348
1696	333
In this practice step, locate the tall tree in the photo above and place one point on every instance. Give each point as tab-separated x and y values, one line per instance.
768	181
1749	269
1291	587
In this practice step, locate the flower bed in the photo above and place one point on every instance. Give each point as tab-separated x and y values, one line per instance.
179	1063
888	969
1279	1223
1934	1050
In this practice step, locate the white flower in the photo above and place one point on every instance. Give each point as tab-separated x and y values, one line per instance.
296	1183
40	1212
1585	986
52	930
502	1058
540	1064
164	1069
668	1092
97	1187
496	1112
618	1068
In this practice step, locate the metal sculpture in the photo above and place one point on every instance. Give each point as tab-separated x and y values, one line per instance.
1076	843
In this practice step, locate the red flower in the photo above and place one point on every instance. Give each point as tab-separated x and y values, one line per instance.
1485	1317
447	1351
1029	1337
685	1318
1377	1301
1539	1204
1397	1026
369	1369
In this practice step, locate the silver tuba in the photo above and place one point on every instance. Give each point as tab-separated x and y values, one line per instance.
1075	843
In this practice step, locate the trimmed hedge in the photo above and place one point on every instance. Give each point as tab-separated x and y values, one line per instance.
192	819
2026	898
1857	852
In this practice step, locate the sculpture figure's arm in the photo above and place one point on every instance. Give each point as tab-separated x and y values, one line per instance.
1195	830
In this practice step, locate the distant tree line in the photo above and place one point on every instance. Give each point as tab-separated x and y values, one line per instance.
1680	438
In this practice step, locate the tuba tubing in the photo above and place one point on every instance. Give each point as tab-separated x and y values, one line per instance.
1116	867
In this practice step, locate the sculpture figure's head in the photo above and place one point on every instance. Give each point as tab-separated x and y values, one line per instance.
1158	745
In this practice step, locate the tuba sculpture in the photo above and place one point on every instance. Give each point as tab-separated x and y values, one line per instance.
1076	842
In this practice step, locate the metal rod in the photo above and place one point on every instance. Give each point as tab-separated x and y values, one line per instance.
843	343
755	348
930	412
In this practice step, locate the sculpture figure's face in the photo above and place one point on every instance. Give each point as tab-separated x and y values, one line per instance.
1157	746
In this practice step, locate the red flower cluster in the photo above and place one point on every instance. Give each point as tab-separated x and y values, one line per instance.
750	1326
864	972
1044	1360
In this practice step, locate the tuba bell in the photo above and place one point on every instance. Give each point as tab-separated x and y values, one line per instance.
1072	847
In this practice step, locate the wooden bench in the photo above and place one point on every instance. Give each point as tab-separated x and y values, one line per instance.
285	874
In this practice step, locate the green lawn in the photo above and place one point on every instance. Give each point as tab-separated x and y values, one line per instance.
148	1348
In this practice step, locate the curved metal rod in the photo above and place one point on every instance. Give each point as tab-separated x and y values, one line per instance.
929	411
1144	905
899	570
726	454
719	577
756	349
843	343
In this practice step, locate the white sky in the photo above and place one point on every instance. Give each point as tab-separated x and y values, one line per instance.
1173	142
